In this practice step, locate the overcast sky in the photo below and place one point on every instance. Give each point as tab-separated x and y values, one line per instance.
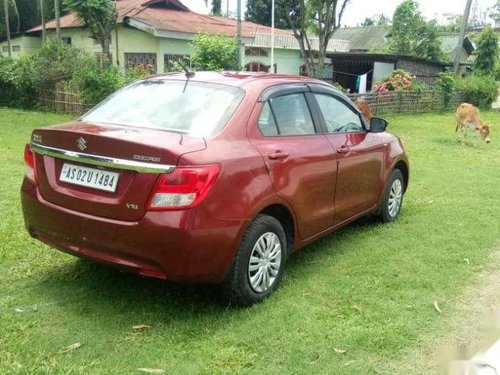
357	10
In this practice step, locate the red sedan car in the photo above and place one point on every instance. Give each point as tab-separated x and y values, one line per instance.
211	177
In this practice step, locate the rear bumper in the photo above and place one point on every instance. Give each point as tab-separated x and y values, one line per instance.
184	246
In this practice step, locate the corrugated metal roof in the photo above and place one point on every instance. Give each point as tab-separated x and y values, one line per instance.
363	39
171	20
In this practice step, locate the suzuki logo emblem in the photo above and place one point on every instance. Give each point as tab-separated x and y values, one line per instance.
81	143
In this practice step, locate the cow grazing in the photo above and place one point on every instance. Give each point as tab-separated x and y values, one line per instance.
364	107
468	119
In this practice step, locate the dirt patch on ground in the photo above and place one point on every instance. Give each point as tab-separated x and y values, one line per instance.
473	326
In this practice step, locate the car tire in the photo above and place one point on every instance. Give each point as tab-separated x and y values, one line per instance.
393	197
259	264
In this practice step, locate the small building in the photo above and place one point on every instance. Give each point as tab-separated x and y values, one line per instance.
367	58
158	32
347	67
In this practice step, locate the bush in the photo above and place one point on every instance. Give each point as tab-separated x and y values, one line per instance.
419	87
7	80
56	62
214	52
95	83
138	72
16	82
398	80
446	84
478	90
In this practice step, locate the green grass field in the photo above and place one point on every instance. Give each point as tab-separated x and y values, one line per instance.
359	301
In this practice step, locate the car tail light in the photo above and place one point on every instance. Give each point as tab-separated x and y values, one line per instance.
185	187
29	160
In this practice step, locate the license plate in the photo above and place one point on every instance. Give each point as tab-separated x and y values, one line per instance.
89	177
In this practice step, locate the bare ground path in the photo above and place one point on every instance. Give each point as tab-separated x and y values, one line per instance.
470	328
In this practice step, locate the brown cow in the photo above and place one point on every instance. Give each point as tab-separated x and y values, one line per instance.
364	107
468	119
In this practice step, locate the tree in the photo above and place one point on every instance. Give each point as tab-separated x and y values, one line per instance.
9	5
216	7
211	52
99	16
377	20
412	35
317	18
487	52
368	22
494	11
259	11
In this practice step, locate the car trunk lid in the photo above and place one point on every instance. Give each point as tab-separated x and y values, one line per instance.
105	170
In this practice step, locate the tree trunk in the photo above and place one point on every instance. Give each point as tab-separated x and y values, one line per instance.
42	17
7	26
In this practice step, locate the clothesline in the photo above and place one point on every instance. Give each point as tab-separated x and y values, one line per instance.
351	74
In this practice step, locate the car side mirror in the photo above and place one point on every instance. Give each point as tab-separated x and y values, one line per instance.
378	124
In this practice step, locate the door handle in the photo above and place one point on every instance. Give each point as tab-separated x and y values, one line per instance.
277	155
343	149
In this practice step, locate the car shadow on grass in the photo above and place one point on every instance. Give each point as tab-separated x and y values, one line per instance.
83	284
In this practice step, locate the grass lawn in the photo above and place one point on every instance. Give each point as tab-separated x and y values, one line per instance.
356	302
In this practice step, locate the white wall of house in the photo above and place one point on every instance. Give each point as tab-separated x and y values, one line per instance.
140	44
20	46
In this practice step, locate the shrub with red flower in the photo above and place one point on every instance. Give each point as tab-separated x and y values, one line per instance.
397	80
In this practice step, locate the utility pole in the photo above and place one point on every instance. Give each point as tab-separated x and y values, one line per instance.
42	17
238	33
458	53
272	36
58	20
7	25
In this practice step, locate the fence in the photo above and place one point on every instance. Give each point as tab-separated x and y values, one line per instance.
65	99
407	101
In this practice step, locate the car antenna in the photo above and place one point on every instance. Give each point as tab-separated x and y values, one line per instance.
188	74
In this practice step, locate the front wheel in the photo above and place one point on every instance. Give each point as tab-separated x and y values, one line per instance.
258	266
393	197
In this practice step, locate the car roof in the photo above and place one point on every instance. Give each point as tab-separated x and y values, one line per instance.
240	79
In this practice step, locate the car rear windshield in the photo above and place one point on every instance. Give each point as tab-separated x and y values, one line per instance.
198	109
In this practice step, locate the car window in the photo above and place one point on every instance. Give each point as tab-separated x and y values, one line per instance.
267	125
289	114
199	109
339	118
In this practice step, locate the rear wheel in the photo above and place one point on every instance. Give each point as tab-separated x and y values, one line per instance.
259	263
393	197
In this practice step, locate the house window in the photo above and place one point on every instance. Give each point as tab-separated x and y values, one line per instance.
66	40
170	59
5	48
16	48
256	67
141	60
254	51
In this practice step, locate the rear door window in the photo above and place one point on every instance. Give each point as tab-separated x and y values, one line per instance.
286	115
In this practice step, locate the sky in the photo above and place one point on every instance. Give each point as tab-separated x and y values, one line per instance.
357	10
